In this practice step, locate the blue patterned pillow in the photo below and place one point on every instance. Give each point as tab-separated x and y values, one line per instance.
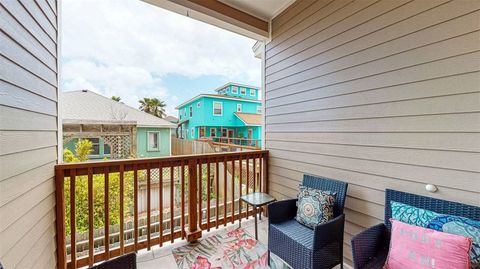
443	223
314	206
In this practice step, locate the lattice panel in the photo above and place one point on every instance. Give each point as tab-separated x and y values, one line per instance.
119	145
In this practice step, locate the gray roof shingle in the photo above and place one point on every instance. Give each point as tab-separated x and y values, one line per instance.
86	106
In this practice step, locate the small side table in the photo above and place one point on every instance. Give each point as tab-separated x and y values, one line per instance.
256	200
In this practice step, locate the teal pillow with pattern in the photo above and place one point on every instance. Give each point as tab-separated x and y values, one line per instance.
442	223
314	206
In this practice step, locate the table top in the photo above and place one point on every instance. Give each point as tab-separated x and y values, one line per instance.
257	198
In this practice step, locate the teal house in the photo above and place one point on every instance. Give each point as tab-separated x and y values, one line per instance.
232	115
116	130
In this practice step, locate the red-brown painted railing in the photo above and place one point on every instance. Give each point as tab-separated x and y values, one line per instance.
195	212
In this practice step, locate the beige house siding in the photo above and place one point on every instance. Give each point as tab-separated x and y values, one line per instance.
28	132
380	94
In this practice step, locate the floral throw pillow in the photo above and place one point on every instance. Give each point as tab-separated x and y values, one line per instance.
442	223
314	206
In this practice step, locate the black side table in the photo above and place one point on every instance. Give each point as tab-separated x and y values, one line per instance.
256	200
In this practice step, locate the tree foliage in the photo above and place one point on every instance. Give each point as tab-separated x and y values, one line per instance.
116	98
83	148
153	106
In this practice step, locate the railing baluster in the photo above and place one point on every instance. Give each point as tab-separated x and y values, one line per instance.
149	196
216	192
182	175
240	186
172	185
107	212
233	189
254	173
248	179
73	242
90	217
260	175
121	209
200	205
160	203
208	194
135	207
225	191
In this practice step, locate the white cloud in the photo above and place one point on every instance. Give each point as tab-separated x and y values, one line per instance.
125	47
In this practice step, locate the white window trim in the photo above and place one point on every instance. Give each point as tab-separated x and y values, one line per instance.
214	131
259	109
199	105
221	133
150	149
239	106
252	92
234	89
221	109
243	91
192	133
190	111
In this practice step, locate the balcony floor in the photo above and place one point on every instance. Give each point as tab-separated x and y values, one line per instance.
162	257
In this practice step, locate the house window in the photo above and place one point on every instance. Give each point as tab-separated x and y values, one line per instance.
192	133
239	107
224	132
234	89
153	141
213	132
191	111
106	149
95	146
259	109
252	92
243	91
198	105
217	108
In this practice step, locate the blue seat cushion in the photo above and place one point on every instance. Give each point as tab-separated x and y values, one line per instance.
295	231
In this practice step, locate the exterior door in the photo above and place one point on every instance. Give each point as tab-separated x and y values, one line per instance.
231	134
250	136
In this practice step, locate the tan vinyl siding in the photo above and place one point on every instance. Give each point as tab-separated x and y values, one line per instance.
380	94
28	133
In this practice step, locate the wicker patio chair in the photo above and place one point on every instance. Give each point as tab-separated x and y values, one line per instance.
370	247
127	261
300	246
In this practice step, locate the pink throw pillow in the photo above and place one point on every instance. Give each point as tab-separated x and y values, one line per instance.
417	247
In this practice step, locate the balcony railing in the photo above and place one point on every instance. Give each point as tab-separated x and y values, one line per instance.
108	208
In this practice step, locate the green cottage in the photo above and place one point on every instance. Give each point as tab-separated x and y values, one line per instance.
233	115
116	130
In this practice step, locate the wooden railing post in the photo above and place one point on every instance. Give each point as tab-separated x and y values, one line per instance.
60	219
194	232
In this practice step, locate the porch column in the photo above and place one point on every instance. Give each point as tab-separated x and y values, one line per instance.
193	232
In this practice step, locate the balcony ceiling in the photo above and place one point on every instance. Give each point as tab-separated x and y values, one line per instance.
264	9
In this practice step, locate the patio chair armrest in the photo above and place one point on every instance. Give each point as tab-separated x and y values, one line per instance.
368	244
329	232
282	211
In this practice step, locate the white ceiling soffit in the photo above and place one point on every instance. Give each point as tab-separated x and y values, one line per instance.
264	9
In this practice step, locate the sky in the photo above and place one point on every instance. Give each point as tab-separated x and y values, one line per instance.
131	49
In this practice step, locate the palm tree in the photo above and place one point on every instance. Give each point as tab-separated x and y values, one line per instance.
153	106
116	98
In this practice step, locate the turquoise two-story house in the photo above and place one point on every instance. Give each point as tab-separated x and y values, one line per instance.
232	115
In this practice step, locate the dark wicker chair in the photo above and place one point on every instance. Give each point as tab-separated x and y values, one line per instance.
127	261
370	247
300	246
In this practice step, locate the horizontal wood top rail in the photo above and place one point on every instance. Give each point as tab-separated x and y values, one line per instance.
113	166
